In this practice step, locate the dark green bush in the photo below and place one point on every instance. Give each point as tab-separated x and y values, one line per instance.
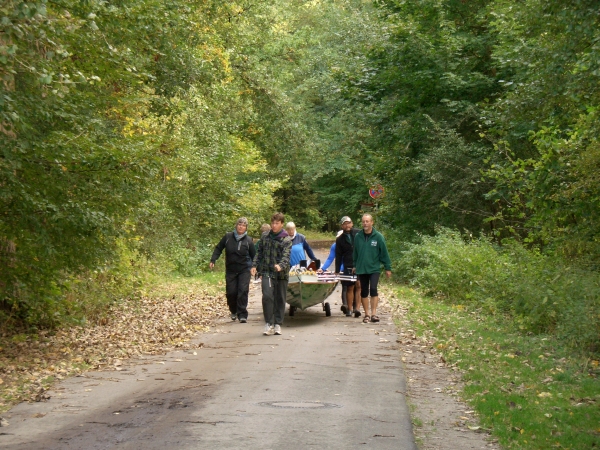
543	294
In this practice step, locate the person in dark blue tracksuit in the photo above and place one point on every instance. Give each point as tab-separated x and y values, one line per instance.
239	252
300	247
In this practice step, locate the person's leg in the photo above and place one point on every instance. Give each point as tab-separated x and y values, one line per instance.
268	299
356	300
231	287
349	299
280	295
364	294
242	299
344	295
374	295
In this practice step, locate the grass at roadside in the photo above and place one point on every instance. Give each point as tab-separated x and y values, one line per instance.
530	391
166	316
317	235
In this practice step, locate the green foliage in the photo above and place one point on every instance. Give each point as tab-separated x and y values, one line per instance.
542	294
545	124
120	121
158	123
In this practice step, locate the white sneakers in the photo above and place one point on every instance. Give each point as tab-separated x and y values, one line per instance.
269	329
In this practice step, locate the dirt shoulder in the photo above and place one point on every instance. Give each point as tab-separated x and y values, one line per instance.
441	421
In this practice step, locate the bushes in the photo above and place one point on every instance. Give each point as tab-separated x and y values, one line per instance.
78	298
543	294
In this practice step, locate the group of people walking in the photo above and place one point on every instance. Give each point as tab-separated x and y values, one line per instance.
359	252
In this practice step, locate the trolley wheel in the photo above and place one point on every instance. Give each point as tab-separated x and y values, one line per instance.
327	310
292	310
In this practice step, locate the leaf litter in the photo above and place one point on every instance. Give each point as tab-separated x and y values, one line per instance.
441	419
152	325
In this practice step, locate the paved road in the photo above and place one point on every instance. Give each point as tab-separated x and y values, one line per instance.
327	382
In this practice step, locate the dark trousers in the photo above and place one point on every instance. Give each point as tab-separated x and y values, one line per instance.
273	299
368	284
237	286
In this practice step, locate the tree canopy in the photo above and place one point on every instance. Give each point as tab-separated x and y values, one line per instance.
151	125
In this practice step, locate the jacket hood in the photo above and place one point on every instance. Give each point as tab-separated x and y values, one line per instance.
281	235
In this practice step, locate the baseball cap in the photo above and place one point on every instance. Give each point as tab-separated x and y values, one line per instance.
345	219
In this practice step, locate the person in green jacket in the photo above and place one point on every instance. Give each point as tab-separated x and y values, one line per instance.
370	253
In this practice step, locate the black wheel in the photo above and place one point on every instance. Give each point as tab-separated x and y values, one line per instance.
292	310
327	310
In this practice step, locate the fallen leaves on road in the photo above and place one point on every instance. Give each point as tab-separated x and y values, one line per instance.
146	326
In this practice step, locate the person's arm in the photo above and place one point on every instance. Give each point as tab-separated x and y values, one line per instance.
284	263
251	249
330	258
384	256
218	250
355	253
338	257
308	250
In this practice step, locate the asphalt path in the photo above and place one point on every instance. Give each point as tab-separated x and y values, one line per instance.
327	382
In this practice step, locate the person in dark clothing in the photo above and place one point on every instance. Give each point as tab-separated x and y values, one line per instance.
344	247
272	261
239	253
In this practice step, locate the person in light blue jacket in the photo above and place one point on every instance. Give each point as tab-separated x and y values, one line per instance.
330	258
300	247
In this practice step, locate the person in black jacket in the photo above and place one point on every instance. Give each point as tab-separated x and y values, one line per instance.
344	246
239	253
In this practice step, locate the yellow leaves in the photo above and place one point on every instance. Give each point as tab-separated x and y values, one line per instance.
282	27
594	363
544	395
218	54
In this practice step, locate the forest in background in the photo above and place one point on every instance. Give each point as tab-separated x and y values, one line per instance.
133	133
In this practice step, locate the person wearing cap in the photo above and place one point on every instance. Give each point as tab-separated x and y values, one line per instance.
370	253
344	247
330	259
239	253
300	247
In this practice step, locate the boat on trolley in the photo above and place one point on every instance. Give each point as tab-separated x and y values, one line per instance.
308	288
